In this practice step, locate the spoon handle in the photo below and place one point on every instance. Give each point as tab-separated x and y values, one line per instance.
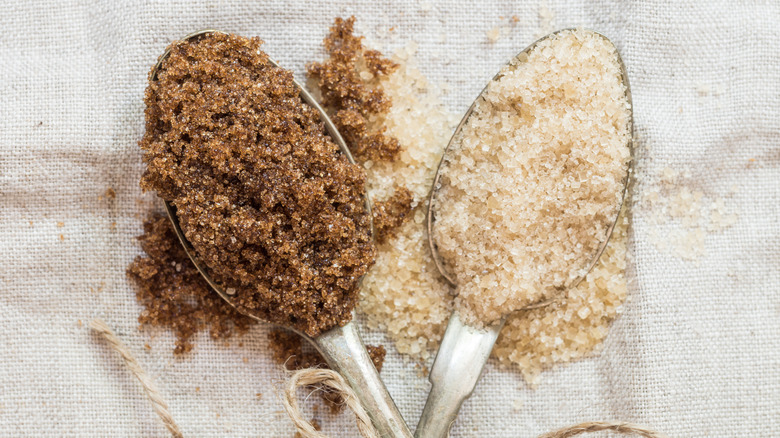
345	352
454	374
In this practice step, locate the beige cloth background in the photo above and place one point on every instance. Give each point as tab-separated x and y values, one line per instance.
696	352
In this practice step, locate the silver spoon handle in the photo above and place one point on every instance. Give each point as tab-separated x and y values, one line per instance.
344	351
454	374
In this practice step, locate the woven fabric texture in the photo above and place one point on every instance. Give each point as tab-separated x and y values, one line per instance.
695	353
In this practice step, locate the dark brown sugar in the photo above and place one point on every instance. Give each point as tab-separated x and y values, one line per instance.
391	213
314	423
352	98
173	292
287	350
377	354
267	200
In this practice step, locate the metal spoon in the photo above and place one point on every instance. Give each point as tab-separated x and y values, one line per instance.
341	347
464	350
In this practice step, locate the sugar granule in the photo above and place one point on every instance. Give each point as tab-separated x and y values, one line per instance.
494	34
535	178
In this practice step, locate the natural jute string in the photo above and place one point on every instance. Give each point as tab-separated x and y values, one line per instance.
331	381
597	426
158	403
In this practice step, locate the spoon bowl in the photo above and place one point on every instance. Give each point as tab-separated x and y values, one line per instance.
465	349
342	347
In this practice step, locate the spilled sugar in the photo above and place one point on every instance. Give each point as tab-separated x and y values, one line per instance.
403	293
572	328
494	34
680	215
546	19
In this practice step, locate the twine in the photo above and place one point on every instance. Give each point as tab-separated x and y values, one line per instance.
155	398
597	426
332	381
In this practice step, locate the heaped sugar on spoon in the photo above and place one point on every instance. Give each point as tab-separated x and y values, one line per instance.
265	198
525	198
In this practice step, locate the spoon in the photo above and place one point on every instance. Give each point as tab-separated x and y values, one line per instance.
342	347
465	349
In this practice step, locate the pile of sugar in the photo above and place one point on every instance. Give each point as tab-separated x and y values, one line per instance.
403	293
269	203
348	84
535	179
